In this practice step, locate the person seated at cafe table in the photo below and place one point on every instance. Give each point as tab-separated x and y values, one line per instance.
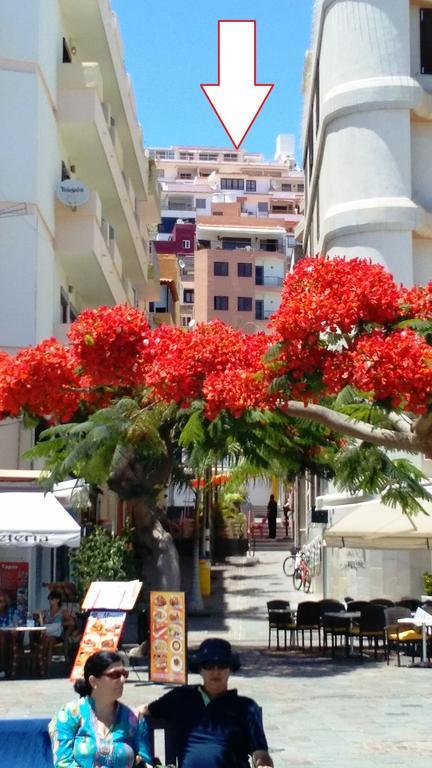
57	621
7	619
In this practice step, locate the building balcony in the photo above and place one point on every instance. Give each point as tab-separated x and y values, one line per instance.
89	137
269	281
160	317
94	30
89	255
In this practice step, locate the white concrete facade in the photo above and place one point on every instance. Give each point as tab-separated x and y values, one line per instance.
67	109
367	159
368	133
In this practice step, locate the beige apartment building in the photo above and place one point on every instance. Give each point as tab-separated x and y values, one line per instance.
259	201
240	264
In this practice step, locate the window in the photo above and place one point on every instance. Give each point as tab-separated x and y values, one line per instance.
262	207
250	185
185	175
232	243
208	156
220	302
230	156
244	269
64	172
188	296
185	320
259	309
286	187
300	187
232	183
200	202
269	245
244	303
186	155
220	269
66	57
426	41
164	154
186	243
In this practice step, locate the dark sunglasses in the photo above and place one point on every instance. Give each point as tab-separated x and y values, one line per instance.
214	665
116	674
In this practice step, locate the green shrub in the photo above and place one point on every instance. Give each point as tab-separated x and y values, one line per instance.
102	556
427	583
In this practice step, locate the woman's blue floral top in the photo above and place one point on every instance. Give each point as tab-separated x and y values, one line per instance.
77	744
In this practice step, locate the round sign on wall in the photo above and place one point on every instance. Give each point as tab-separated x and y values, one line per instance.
73	193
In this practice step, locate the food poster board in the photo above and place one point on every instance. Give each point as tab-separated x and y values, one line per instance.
14	580
168	647
102	633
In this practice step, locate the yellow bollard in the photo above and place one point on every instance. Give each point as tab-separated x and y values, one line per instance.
205	577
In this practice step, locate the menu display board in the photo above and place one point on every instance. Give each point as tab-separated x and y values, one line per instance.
119	595
14	581
102	633
167	638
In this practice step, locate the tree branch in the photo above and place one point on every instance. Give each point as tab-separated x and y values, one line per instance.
339	422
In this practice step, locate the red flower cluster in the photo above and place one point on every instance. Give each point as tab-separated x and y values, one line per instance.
40	380
181	360
396	367
108	344
417	301
334	295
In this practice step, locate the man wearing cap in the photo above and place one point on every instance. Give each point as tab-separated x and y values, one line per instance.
213	726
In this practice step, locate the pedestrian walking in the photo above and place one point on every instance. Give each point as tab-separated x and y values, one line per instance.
286	510
213	726
97	730
272	516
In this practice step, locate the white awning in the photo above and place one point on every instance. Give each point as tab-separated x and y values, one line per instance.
373	525
30	518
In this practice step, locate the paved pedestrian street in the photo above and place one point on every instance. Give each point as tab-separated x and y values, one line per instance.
317	712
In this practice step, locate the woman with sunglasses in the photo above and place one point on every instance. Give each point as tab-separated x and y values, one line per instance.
97	730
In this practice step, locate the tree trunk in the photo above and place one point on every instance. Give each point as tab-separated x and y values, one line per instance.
156	549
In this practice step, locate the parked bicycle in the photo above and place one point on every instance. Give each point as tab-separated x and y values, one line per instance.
302	576
289	564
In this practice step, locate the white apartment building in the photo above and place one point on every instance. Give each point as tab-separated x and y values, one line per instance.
368	161
67	111
368	134
197	183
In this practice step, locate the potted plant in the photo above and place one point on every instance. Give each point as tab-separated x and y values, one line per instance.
427	583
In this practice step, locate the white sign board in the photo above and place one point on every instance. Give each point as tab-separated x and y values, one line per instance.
73	193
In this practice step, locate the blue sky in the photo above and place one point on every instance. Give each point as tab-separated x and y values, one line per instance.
171	47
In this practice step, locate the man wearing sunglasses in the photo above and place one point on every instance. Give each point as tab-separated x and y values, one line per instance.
214	726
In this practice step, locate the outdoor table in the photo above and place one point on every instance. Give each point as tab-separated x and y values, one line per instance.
16	633
352	616
423	624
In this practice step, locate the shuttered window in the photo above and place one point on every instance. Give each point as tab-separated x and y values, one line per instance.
426	41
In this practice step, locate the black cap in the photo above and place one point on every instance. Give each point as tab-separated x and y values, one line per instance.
214	651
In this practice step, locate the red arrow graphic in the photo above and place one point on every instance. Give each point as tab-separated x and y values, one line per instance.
237	98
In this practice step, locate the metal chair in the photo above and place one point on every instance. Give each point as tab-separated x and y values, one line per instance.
381	601
332	625
279	620
396	635
370	627
308	618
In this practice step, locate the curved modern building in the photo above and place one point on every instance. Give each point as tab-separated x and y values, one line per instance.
368	134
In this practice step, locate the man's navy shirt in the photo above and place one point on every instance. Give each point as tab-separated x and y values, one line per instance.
222	733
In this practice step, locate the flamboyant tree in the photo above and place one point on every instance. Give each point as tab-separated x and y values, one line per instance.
348	351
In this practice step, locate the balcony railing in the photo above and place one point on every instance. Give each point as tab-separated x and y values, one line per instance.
263	314
268	280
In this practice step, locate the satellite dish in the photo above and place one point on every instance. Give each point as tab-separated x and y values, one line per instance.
73	193
181	264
